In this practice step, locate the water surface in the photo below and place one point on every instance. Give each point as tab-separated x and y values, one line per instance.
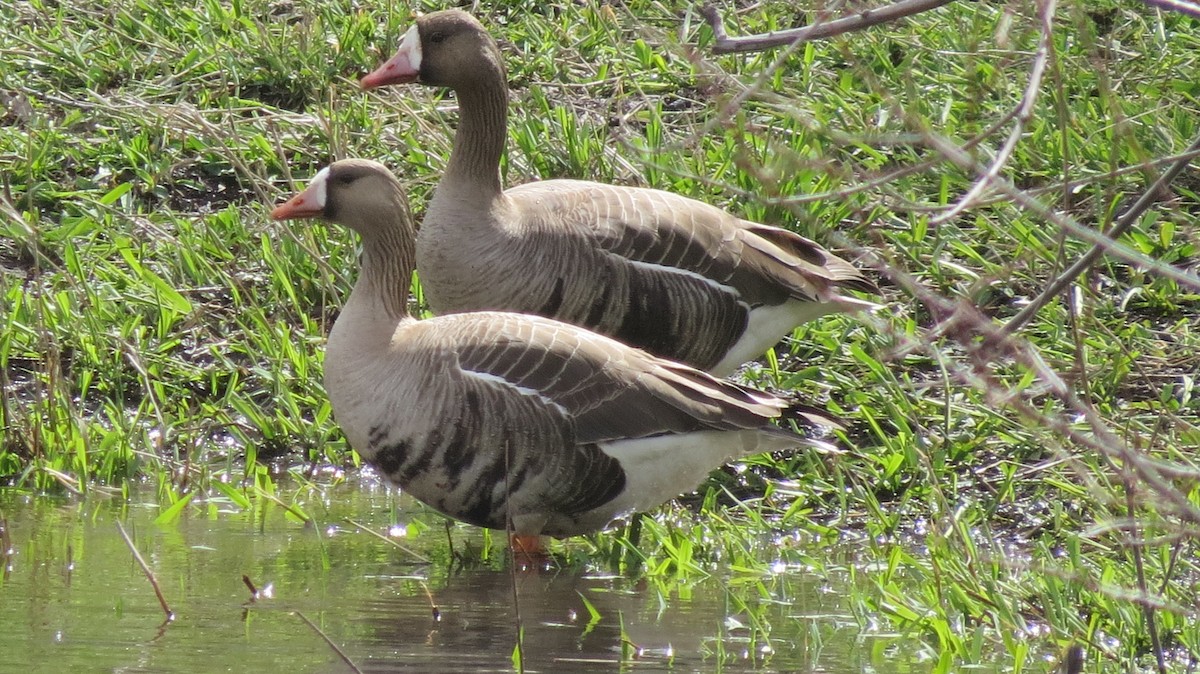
72	598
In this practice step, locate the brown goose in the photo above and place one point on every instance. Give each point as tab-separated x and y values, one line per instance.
677	277
496	417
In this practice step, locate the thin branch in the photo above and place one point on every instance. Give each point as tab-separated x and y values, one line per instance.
957	156
149	574
1022	115
250	585
1123	223
818	31
966	325
421	558
1140	567
340	653
1181	6
519	652
6	547
434	611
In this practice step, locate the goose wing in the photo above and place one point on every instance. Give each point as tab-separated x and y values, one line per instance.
602	388
525	406
759	263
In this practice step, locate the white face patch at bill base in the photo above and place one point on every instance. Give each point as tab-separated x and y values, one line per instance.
410	47
318	187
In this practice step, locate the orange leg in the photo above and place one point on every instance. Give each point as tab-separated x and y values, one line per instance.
529	552
523	544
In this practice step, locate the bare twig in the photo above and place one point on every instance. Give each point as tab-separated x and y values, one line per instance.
6	548
265	592
340	653
250	585
818	31
434	611
964	324
1123	223
1140	567
1115	248
1181	6
408	551
149	574
512	565
1022	115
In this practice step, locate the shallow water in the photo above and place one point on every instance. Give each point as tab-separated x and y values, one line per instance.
73	599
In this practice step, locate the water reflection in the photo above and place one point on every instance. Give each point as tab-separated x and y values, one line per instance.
71	595
572	622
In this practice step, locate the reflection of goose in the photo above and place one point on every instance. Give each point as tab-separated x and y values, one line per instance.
675	276
489	416
477	629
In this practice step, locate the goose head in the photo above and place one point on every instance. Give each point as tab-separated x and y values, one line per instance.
449	48
356	193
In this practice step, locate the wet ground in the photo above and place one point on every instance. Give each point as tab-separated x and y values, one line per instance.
72	598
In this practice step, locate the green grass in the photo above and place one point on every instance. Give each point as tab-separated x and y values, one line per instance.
157	325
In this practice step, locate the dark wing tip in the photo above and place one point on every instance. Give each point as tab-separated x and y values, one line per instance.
861	284
810	415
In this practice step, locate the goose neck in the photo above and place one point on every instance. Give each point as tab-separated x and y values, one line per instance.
482	133
388	261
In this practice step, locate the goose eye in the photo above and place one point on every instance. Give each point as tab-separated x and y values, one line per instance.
439	36
344	179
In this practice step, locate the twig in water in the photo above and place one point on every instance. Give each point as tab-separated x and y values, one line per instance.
6	547
250	584
519	657
300	515
413	553
255	593
818	31
434	610
341	654
149	574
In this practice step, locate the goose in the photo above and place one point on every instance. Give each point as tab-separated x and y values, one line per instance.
677	277
514	421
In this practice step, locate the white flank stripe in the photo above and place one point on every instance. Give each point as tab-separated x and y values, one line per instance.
523	390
